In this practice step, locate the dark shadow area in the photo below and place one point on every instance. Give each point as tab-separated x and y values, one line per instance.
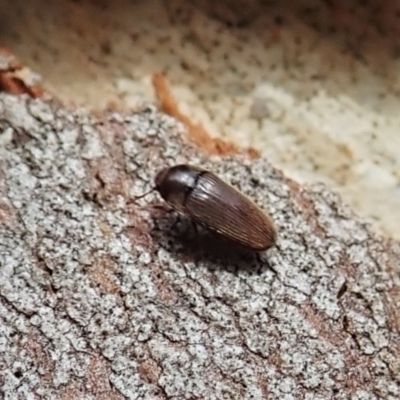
180	235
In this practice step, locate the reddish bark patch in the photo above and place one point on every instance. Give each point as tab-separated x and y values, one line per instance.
14	77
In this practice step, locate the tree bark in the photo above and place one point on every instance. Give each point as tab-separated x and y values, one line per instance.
105	299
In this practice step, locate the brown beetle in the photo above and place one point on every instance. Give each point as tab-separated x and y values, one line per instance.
213	203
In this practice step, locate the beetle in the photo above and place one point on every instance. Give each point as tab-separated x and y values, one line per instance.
218	206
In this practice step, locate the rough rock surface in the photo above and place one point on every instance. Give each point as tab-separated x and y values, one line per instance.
101	299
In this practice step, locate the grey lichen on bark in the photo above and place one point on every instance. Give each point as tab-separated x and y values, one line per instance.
105	299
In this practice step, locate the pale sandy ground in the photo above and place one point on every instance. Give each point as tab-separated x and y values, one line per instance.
314	87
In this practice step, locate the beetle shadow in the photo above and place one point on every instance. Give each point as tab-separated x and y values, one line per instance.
180	235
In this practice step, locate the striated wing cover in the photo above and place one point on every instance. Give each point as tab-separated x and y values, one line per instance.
225	210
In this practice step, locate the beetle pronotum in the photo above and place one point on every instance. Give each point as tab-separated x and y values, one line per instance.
210	201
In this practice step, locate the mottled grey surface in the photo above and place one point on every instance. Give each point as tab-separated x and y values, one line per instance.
100	299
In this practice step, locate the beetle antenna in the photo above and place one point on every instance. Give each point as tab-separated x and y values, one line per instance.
133	199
